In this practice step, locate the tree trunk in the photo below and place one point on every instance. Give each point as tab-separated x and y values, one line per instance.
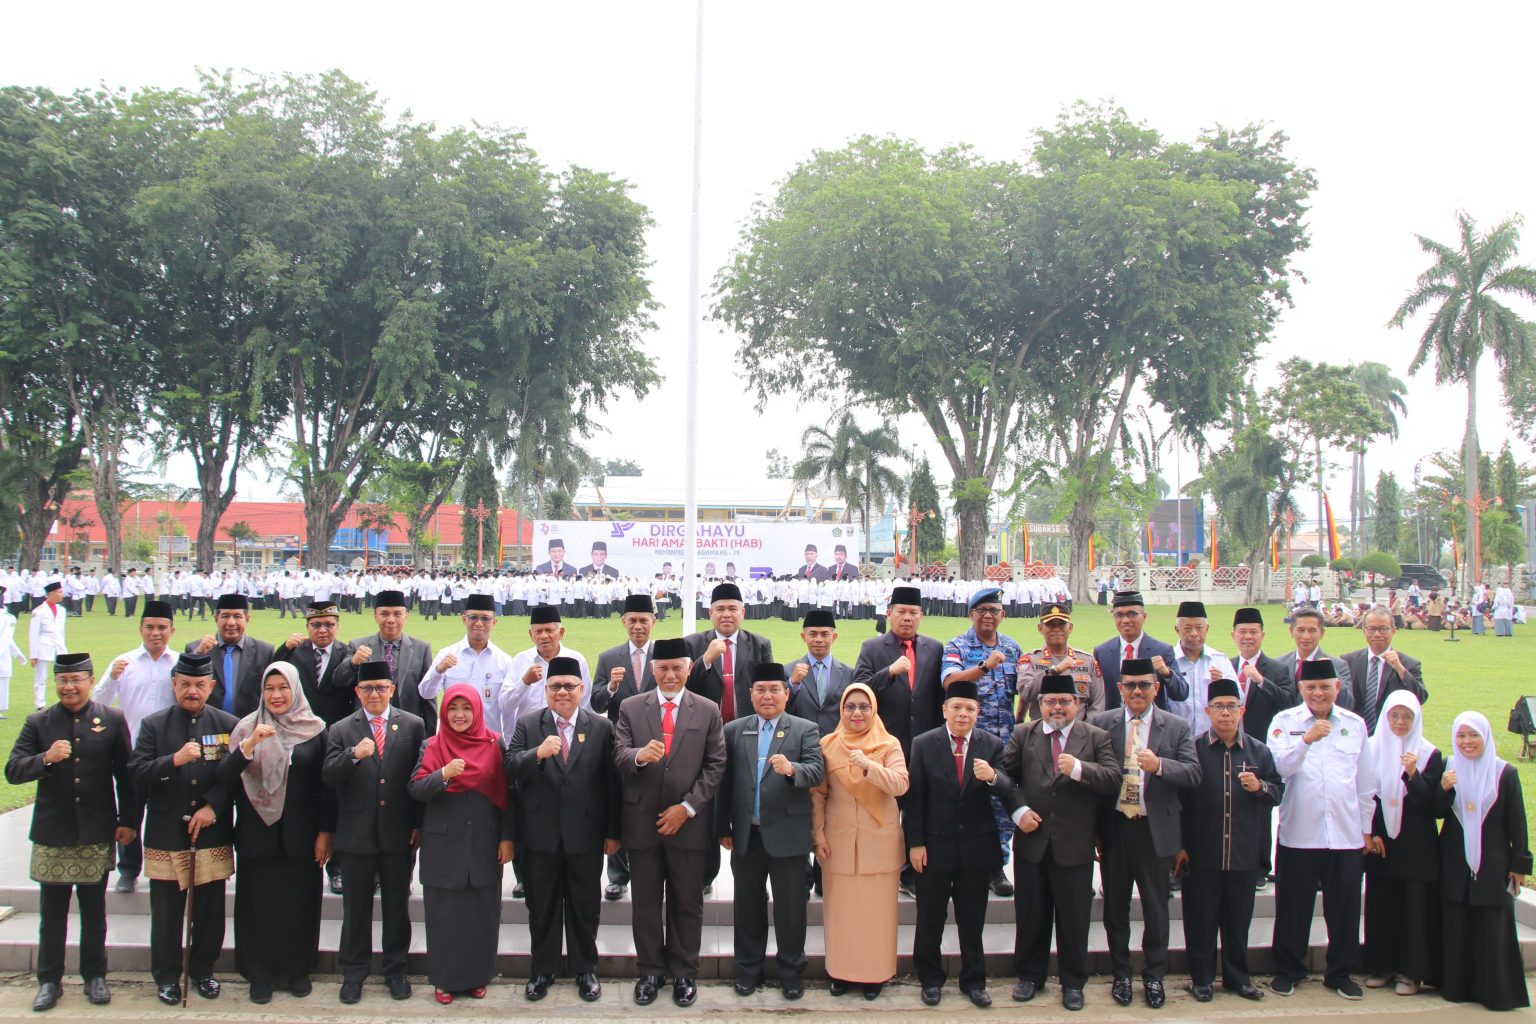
36	516
1470	485
971	517
1080	535
215	495
106	486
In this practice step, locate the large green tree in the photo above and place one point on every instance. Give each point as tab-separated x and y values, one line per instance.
854	463
923	496
1386	531
1387	393
1466	288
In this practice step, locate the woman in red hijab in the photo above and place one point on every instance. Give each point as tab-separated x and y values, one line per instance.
465	840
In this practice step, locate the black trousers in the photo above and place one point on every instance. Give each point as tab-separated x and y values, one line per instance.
130	857
53	932
753	869
667	944
564	900
358	872
1218	902
167	925
129	604
1129	857
618	868
111	605
1045	891
1301	873
935	890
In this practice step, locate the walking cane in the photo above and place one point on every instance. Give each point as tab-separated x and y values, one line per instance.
186	945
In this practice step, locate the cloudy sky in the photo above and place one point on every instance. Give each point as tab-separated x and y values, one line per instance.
1406	113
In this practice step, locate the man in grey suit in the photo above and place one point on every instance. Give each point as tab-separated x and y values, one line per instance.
817	680
408	658
1378	669
1139	826
239	660
669	746
763	816
1307	631
622	672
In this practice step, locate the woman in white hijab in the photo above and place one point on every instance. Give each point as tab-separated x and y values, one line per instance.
1484	859
1402	863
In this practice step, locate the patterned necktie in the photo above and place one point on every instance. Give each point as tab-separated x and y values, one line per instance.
1372	691
728	679
638	659
1130	652
959	760
668	723
565	742
319	661
1055	752
378	736
1130	782
389	656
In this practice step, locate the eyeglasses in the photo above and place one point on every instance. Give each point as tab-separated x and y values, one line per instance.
859	709
562	687
480	620
373	690
990	609
1137	684
1128	615
1057	702
1225	709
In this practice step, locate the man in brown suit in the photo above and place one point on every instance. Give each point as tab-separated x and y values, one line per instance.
1062	766
669	746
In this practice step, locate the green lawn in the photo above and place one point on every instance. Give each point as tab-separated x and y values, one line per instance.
1484	672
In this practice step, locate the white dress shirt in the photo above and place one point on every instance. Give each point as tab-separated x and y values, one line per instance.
1197	674
1330	786
518	698
142	689
485	670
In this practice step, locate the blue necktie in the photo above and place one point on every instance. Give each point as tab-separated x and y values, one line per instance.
764	741
229	678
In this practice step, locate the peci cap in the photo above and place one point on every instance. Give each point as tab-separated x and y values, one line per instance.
767	672
193	665
1247	617
1191	610
639	603
907	596
563	666
1137	667
1128	599
669	650
819	618
543	614
725	592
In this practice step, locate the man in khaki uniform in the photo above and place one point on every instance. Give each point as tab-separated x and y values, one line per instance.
1058	657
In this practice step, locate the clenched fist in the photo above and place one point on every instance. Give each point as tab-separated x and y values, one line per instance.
901	666
651	753
453	769
190	751
549	748
362	654
534	674
1320	727
364	749
59	751
119	667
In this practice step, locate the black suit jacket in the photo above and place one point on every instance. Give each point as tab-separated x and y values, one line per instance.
86	798
328	700
708	681
1204	816
911	703
1069	809
1168	737
255	656
564	806
374	809
607	703
1352	694
1266	699
172	792
309	806
812	572
954	823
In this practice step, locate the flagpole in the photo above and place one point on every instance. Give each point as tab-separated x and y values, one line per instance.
691	418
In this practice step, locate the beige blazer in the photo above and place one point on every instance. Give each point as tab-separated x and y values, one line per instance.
859	846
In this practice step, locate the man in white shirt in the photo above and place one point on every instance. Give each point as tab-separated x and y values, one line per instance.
45	638
1325	822
474	661
139	682
523	689
1199	664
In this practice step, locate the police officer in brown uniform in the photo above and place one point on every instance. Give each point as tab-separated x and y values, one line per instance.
1058	658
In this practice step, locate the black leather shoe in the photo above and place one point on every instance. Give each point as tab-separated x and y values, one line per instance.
1202	993
908	889
645	990
872	992
1001	886
518	892
96	992
1072	998
684	991
794	989
980	997
932	994
709	888
336	884
261	992
837	988
1152	992
588	988
1024	991
48	996
537	987
207	987
399	987
744	987
126	883
615	891
301	986
1248	991
170	994
352	990
1120	991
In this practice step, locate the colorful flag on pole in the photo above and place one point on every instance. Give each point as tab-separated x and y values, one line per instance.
1333	530
1215	551
1274	551
1027	558
1090	552
1148	533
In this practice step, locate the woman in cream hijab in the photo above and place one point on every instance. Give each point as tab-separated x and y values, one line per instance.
859	844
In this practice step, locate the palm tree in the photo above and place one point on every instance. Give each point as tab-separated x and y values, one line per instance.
852	463
1385	393
1465	285
372	517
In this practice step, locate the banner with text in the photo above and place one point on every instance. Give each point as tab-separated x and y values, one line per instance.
745	550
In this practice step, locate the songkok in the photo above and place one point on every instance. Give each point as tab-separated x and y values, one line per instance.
841	547
599	545
50	587
233	602
1322	668
906	595
964	688
1247	617
669	650
193	665
767	672
1054	613
480	603
541	614
320	609
725	592
1191	610
639	603
1137	667
557	543
563	667
1058	684
78	662
370	671
810	547
158	610
986	595
1127	599
819	618
390	599
1223	688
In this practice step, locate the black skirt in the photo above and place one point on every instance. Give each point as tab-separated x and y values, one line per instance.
1402	928
277	918
463	928
1481	957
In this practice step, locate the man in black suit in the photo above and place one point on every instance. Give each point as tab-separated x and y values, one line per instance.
1226	824
1263	683
238	659
1130	614
763	816
841	568
175	767
903	670
407	659
1307	631
811	570
599	565
369	759
81	811
557	565
1139	826
560	761
622	672
669	747
952	840
1378	669
1062	767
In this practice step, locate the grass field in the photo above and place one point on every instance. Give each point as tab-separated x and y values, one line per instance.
1484	673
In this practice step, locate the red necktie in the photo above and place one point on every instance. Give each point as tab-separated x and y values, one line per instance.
667	724
959	760
909	650
728	690
378	736
1055	752
1130	652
